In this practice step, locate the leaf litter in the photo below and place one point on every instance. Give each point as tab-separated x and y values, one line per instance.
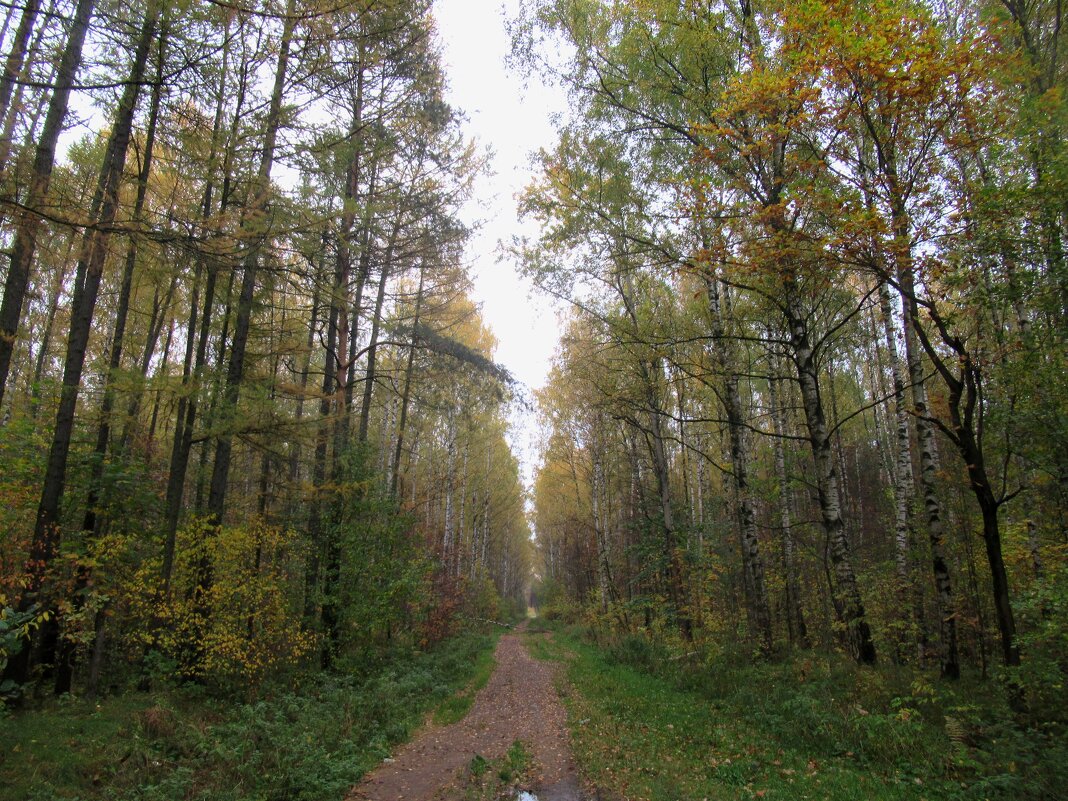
519	702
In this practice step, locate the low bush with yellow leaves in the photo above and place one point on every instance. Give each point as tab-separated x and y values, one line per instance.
233	613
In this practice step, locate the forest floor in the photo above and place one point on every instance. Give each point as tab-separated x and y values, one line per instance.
525	712
649	726
305	741
516	732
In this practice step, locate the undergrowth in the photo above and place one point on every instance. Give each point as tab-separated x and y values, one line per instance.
456	706
309	744
649	724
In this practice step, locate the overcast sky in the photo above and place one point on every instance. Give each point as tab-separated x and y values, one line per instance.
513	117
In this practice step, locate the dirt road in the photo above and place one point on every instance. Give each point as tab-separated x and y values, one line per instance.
518	703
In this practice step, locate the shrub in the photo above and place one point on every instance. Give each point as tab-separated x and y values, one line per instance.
637	650
246	627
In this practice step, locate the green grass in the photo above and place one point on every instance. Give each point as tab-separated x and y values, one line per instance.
310	744
494	780
456	706
645	727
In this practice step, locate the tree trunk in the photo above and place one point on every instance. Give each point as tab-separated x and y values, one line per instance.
902	479
1010	651
450	490
848	601
193	372
183	427
972	453
298	415
103	435
596	490
795	618
92	520
14	108
13	68
946	604
322	443
406	392
662	470
462	517
236	369
157	397
29	221
372	347
752	563
105	204
159	315
58	283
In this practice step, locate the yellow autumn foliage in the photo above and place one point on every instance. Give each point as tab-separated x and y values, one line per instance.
246	625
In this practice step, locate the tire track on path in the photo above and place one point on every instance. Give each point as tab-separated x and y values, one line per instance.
519	702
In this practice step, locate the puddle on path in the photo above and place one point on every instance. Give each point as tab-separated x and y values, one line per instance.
565	790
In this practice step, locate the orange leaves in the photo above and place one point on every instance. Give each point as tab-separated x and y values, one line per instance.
891	57
844	118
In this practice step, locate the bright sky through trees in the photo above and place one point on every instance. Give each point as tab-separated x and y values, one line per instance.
514	118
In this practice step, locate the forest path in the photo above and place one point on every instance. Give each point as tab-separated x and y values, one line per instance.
518	703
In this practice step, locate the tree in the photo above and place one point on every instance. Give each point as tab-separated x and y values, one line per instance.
46	536
29	220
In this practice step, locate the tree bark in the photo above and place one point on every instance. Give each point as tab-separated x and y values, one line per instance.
103	435
92	521
946	604
29	220
58	283
13	67
236	369
902	479
795	618
406	392
966	433
298	415
858	632
600	526
662	470
752	563
193	371
372	347
46	537
322	444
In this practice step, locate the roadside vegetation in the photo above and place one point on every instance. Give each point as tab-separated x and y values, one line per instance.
309	742
650	722
456	706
